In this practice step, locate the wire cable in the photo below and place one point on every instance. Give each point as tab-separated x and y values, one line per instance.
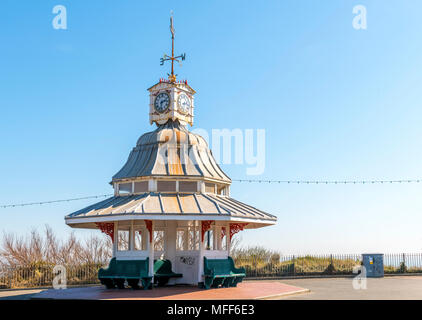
237	180
330	181
52	201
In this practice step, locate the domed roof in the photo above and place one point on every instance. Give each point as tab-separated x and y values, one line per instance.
171	150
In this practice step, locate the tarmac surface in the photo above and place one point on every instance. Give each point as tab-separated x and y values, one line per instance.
388	288
18	294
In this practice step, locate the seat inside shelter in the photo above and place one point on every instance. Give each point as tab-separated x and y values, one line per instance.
183	242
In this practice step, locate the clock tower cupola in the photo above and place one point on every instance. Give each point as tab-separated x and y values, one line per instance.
171	99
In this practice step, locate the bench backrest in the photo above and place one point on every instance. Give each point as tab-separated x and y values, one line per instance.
132	268
162	267
112	264
219	266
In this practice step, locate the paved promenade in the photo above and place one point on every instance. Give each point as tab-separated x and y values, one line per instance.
396	287
388	288
244	290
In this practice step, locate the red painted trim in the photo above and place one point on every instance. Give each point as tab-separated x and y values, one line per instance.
107	228
148	223
223	232
205	226
236	227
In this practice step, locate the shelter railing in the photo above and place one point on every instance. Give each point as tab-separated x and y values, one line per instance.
266	266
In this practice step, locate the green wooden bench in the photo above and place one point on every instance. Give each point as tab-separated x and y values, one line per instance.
163	272
222	272
131	270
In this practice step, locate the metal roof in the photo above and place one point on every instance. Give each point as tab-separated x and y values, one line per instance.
180	206
179	84
171	150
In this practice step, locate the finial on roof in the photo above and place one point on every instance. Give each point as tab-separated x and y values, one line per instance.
172	58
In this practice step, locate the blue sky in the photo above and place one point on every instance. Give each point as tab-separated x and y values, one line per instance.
336	103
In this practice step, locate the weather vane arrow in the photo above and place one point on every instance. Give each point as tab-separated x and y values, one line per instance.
172	58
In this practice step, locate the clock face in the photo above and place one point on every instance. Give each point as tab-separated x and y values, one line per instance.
183	103
162	102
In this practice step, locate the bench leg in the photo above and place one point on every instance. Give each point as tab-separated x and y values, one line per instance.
228	282
119	283
146	283
162	281
236	281
108	283
217	282
208	282
134	283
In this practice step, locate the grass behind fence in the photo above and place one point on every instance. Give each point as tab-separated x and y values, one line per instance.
273	265
299	265
42	276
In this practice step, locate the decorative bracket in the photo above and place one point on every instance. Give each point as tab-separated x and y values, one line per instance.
236	227
107	228
205	226
148	223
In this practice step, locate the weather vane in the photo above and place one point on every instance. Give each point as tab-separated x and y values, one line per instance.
172	76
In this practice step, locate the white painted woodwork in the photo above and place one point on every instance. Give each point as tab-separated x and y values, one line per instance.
174	90
151	251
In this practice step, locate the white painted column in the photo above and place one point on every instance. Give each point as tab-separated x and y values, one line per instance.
115	240
185	238
145	238
201	254
218	238
131	237
151	251
152	185
195	240
201	186
228	239
215	238
170	242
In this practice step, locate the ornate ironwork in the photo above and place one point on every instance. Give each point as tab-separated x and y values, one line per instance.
107	228
205	226
236	227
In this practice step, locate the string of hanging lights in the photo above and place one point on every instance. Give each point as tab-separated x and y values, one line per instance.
52	201
339	182
330	181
